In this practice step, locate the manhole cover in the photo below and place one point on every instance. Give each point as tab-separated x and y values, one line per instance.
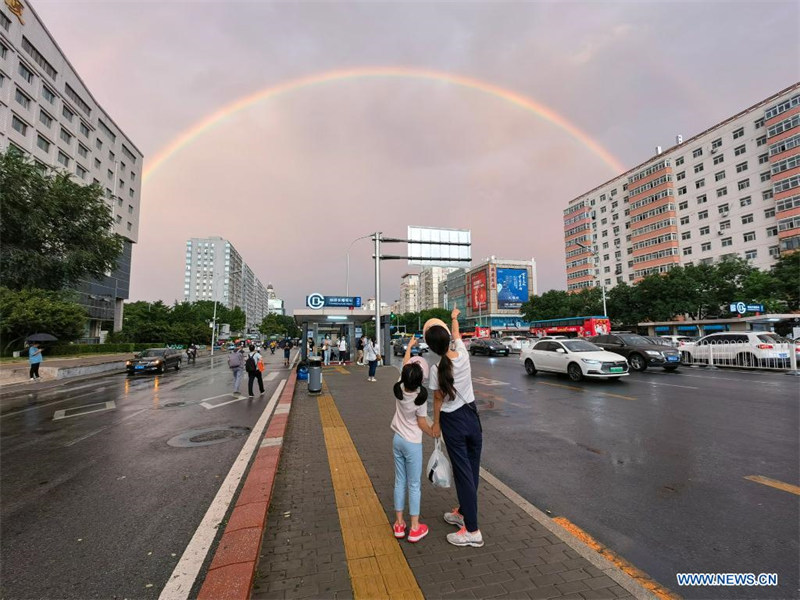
208	436
171	404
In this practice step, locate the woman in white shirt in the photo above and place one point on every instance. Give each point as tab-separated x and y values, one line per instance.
371	353
455	417
342	350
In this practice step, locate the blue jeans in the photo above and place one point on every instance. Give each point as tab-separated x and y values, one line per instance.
327	355
407	472
373	366
237	378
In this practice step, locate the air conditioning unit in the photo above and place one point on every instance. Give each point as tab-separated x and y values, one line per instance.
713	150
723	213
721	232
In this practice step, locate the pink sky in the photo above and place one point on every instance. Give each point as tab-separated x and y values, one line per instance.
293	180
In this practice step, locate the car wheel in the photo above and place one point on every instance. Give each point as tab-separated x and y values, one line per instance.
472	352
637	362
530	368
574	371
670	369
746	359
162	368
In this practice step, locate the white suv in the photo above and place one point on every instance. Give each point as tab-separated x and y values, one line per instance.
745	349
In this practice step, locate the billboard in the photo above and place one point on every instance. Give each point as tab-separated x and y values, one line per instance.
436	247
512	287
478	291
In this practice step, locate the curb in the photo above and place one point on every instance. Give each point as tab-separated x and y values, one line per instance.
232	571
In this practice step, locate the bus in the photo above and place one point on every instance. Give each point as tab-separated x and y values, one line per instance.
572	326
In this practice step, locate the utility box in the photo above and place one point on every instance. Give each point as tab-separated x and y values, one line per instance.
314	374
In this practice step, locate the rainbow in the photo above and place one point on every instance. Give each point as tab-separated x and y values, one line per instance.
218	117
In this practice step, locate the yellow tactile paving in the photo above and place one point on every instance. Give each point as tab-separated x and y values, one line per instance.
378	567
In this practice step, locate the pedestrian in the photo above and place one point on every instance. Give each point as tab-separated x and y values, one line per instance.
326	351
360	351
251	365
310	347
371	355
287	349
35	359
455	417
409	422
236	364
342	350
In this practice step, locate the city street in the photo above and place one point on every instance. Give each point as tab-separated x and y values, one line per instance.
654	466
103	501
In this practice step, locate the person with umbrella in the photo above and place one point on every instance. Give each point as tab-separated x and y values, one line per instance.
35	359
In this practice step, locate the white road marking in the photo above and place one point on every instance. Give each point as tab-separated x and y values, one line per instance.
183	577
271	376
688	387
38	406
96	431
210	406
102	406
488	382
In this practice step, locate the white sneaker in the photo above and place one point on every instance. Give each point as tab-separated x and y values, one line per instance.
454	518
464	538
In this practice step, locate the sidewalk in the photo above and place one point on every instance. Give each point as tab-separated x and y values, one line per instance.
328	531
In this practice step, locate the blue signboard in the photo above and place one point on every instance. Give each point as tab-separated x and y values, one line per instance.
509	322
512	287
742	308
317	301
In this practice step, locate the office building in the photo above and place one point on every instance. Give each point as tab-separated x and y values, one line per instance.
430	278
48	114
216	271
409	293
494	291
732	190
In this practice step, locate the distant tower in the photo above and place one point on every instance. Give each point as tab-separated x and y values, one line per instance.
270	292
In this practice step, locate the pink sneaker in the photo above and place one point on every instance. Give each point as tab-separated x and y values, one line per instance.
416	535
400	531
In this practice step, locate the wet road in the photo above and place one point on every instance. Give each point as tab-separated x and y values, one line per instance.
99	504
654	466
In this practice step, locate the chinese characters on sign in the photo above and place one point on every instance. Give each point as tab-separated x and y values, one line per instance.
512	287
478	291
317	301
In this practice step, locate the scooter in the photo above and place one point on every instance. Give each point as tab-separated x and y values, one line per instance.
191	355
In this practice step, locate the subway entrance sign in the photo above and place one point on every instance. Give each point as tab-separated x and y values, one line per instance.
318	301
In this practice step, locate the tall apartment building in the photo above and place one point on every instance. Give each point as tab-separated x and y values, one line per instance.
734	189
430	278
409	293
216	271
48	114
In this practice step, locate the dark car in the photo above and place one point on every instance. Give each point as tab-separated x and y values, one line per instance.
155	359
640	352
488	347
401	345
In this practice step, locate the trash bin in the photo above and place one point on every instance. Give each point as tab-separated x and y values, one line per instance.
314	374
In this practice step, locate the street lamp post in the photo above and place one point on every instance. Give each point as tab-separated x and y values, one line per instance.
602	284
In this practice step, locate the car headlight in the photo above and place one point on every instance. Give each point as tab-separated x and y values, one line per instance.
653	353
128	363
589	361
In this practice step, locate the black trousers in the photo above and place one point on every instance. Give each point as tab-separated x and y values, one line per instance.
463	436
34	373
255	375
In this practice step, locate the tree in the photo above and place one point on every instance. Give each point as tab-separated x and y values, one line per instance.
279	325
786	272
54	230
553	304
38	311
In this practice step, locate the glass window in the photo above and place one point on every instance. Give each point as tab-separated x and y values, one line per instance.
723	191
22	98
65	136
746	201
48	94
761	141
719	176
739	150
678	161
763	158
699	183
716	143
67	113
741	167
769	213
750	254
743	184
698	167
705	246
727	242
750	236
705	230
19	125
83	151
697	152
701	199
747	219
687	251
765	176
84	129
719	158
63	159
738	133
703	214
44	118
43	144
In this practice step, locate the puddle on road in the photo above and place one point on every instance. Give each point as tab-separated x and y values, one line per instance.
207	436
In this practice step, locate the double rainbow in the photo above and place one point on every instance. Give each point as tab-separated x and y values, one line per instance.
218	117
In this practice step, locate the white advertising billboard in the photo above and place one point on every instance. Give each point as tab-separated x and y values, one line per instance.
437	247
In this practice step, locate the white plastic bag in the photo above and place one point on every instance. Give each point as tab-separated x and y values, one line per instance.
440	473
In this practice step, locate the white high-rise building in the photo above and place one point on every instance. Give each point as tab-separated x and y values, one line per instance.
409	293
732	190
430	279
216	271
48	114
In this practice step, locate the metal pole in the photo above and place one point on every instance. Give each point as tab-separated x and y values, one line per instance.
214	327
347	280
377	239
605	312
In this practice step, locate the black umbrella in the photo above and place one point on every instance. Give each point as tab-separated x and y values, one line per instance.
41	337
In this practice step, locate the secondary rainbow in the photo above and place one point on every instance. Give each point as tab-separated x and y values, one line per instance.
218	117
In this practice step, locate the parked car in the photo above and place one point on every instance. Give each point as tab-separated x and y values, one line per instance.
400	346
155	359
576	358
640	352
515	343
676	341
745	349
658	340
487	346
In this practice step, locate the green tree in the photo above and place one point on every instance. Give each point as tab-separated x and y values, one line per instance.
786	272
279	325
54	231
30	311
553	304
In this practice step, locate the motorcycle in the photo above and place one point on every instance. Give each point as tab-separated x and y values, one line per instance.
191	355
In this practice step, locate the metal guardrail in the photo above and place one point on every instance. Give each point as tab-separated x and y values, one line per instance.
766	356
